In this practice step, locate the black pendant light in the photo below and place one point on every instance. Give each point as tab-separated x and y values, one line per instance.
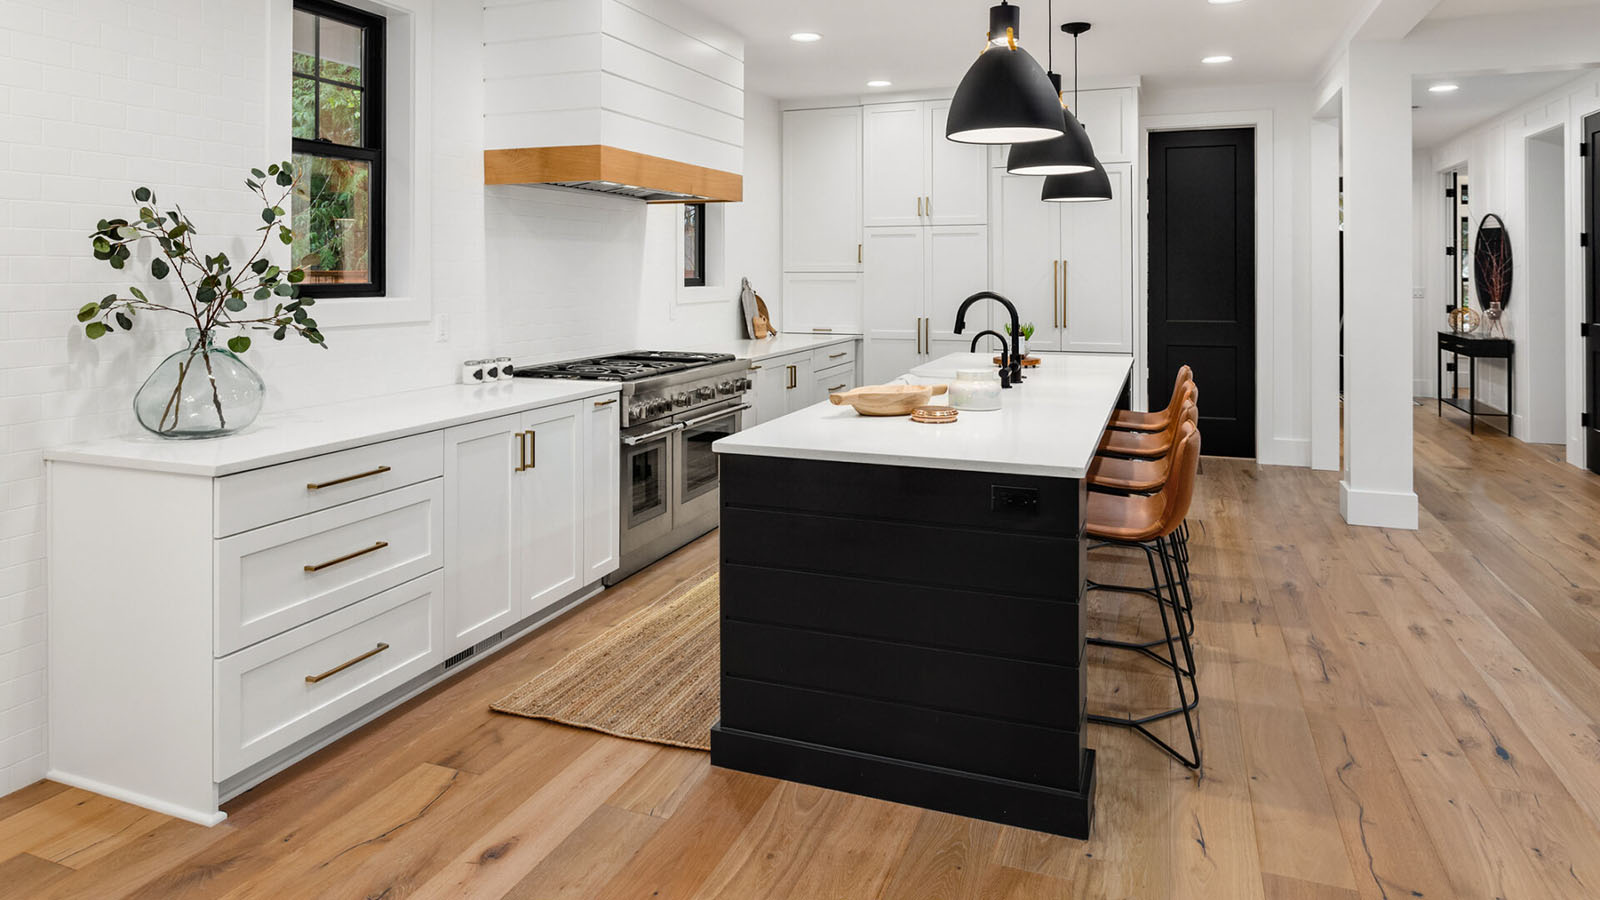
1068	154
1094	184
1005	97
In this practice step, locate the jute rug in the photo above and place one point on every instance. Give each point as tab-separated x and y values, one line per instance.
651	677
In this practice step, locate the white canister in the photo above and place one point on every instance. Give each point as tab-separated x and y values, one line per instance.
476	371
975	389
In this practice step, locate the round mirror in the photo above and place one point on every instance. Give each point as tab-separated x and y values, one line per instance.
1491	258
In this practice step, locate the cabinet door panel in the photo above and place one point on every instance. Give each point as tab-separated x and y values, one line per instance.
893	179
892	283
481	596
802	383
958	174
958	267
601	458
1027	256
834	380
822	302
767	396
821	190
1110	119
548	492
1096	245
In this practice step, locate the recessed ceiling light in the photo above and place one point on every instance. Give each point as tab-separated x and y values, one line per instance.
1221	2
1444	88
879	83
1216	60
805	37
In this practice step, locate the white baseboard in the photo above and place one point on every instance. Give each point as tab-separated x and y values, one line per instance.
1379	509
1281	451
207	818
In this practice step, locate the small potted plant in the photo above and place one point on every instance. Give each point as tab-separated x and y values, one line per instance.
1027	333
203	390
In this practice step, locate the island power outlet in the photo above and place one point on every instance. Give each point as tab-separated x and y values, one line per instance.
1023	501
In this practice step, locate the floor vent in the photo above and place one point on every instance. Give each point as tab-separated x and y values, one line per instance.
463	656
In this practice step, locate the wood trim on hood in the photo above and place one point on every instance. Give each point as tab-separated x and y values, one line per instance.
597	162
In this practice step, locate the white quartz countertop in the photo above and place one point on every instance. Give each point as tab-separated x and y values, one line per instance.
1048	426
778	345
284	435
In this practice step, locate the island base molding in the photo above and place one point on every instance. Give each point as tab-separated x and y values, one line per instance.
1032	806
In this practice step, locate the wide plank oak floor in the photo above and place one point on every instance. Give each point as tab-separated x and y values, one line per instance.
1386	714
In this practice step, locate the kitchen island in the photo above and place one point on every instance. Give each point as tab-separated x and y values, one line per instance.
902	609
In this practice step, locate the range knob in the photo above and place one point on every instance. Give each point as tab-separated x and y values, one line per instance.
660	405
705	393
727	387
638	410
680	399
743	383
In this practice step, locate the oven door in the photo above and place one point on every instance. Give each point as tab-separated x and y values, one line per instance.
648	493
698	475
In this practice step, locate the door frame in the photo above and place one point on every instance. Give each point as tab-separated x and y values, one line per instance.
1271	449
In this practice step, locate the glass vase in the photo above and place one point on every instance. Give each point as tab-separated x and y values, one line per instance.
202	391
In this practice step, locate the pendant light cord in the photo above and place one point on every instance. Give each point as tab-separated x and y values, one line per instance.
1050	36
1074	71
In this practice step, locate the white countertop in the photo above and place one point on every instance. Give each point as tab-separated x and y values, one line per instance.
1048	426
778	345
281	436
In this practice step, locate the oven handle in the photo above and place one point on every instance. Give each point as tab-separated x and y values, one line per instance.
636	439
714	416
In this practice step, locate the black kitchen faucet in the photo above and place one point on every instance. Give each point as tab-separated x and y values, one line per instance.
1010	372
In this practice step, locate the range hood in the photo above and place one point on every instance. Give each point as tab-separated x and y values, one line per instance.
612	170
634	98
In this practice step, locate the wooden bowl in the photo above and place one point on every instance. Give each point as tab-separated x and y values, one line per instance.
888	399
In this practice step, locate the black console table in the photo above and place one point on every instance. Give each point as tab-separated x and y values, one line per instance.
1474	349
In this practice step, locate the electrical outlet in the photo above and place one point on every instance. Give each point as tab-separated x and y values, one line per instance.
441	329
1419	293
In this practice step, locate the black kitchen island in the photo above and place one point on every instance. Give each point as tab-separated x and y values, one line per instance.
902	607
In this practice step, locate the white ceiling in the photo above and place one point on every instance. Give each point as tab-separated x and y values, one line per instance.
1455	9
921	44
1481	98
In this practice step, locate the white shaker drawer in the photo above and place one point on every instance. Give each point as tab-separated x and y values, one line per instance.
836	355
263	496
279	691
274	578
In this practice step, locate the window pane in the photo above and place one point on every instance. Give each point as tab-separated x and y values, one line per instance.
305	108
332	212
341	51
305	43
693	256
340	119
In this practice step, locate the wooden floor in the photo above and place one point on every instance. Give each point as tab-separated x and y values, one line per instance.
1386	715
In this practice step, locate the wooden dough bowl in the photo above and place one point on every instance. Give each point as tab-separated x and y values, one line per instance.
887	399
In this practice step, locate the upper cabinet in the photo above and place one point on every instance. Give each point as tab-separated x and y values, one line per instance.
912	175
822	190
1111	117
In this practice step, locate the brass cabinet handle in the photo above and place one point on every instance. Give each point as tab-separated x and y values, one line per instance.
600	403
835	355
858	253
347	557
1064	319
817	330
533	448
313	679
1055	289
929	207
919	207
317	486
753	368
522	451
837	387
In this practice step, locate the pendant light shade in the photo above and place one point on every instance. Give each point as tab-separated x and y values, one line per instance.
1005	97
1068	154
1091	185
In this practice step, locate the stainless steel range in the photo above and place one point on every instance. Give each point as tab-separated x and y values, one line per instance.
674	406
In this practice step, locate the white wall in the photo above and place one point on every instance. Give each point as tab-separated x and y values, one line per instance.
1429	288
1544	327
99	96
1283	346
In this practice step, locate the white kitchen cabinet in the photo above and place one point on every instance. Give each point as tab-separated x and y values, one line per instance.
834	380
277	591
914	281
801	390
1111	117
782	384
912	175
480	461
602	457
822	190
822	302
548	491
1069	267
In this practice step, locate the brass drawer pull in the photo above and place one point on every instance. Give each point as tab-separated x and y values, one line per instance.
327	484
313	679
837	387
753	368
816	330
836	355
347	557
600	403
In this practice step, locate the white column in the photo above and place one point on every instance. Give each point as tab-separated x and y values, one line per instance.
1377	488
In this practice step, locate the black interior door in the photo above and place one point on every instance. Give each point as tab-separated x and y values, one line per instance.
1203	278
1591	266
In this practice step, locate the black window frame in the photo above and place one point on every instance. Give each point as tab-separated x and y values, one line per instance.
371	151
699	247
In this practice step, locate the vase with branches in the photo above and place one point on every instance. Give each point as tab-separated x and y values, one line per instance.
204	390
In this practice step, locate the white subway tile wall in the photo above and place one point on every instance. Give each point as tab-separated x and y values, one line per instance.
97	97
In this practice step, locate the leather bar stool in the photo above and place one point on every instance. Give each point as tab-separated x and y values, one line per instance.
1157	420
1144	475
1149	444
1147	522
